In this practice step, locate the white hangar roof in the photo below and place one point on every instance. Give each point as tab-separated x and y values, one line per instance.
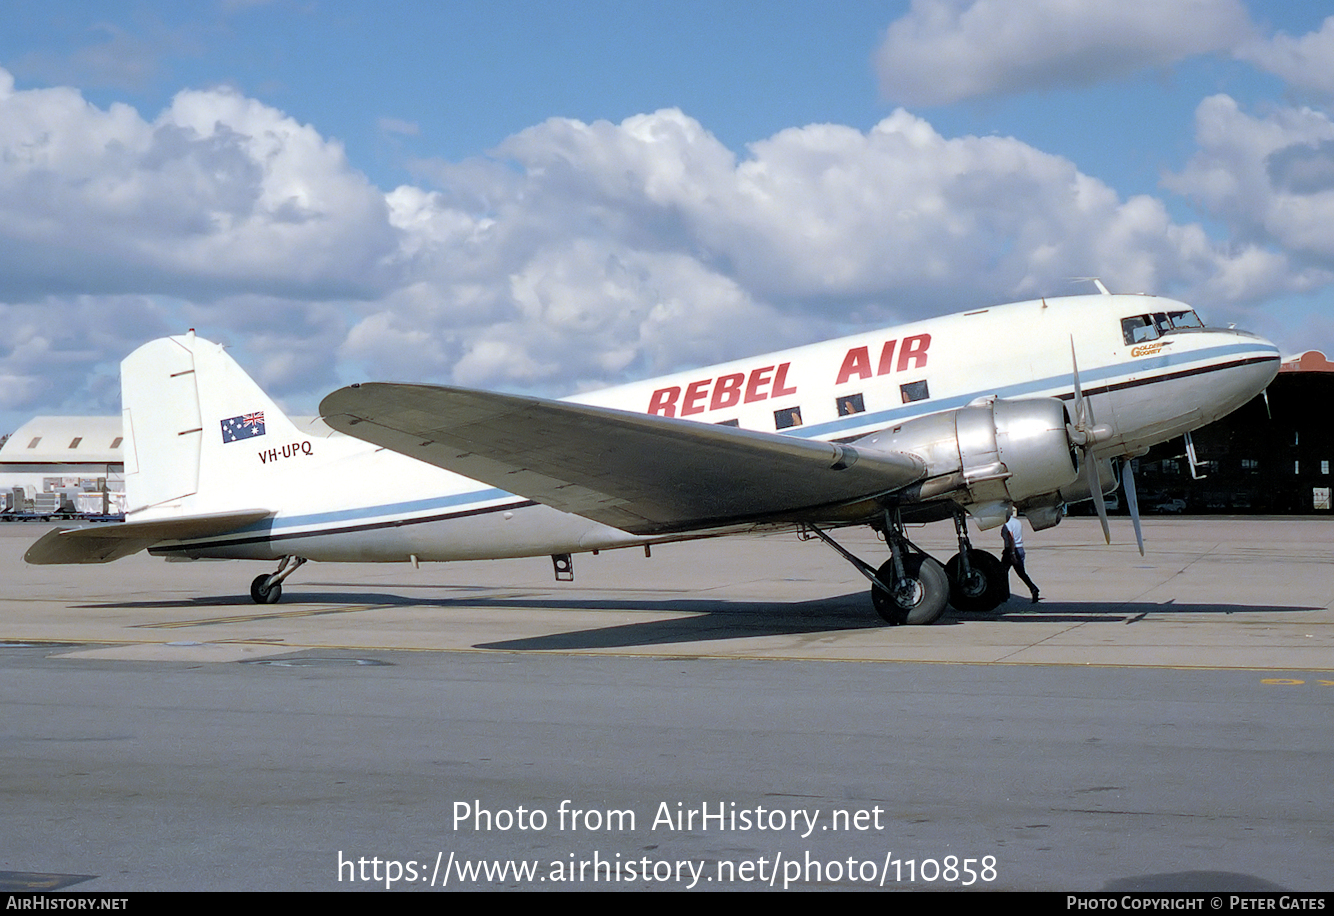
65	440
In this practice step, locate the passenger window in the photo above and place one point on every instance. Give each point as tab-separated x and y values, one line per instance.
736	423
914	391
850	404
787	417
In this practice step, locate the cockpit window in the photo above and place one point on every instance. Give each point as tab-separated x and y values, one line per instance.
1140	328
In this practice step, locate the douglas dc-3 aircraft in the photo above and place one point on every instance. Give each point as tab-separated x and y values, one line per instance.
1025	406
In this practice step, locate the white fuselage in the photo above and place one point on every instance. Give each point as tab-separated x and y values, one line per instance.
360	503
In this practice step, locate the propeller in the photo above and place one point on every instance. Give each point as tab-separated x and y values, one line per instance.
1084	434
1132	500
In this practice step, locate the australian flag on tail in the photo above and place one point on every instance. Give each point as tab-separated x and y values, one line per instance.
246	426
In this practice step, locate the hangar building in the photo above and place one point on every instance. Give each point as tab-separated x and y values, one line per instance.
1274	456
63	465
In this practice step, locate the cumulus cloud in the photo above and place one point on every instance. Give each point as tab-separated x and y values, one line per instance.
575	255
59	350
1269	178
830	213
944	51
219	193
588	253
1302	62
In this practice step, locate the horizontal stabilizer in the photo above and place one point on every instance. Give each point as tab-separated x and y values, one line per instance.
641	473
104	543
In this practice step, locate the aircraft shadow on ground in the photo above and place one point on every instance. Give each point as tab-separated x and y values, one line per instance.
710	619
738	620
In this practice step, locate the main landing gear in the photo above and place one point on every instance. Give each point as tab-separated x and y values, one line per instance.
913	588
979	582
268	588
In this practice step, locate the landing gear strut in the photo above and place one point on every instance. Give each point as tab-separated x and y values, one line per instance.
977	579
910	588
268	588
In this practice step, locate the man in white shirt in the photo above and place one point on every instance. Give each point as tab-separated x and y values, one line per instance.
1012	534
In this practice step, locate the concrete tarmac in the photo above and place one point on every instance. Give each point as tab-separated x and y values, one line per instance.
1155	723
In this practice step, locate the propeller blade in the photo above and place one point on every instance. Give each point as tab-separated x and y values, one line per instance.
1132	501
1095	487
1083	436
1083	409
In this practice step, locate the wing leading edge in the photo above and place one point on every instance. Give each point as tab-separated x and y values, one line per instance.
643	474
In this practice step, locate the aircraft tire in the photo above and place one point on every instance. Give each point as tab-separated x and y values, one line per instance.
986	587
262	595
923	603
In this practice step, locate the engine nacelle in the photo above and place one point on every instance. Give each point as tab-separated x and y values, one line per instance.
1079	491
988	455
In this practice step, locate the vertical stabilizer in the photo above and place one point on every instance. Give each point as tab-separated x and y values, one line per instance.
198	430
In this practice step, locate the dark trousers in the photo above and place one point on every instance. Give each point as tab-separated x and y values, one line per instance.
1014	559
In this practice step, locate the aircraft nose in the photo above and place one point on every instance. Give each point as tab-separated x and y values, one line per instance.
1255	363
1268	361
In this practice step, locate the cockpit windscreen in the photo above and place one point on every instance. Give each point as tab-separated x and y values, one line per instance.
1141	328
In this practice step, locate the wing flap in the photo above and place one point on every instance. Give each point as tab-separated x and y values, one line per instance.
104	543
641	473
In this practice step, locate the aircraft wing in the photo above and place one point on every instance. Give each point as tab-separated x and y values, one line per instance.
640	473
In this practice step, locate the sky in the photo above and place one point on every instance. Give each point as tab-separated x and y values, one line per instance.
550	197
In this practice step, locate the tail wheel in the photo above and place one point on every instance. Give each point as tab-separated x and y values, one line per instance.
918	599
985	586
263	593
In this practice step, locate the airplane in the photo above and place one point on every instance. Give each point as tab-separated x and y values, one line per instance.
1021	407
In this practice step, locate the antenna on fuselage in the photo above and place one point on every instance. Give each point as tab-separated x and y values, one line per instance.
1095	281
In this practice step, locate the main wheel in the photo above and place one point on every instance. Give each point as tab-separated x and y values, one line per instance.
985	586
919	599
263	595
